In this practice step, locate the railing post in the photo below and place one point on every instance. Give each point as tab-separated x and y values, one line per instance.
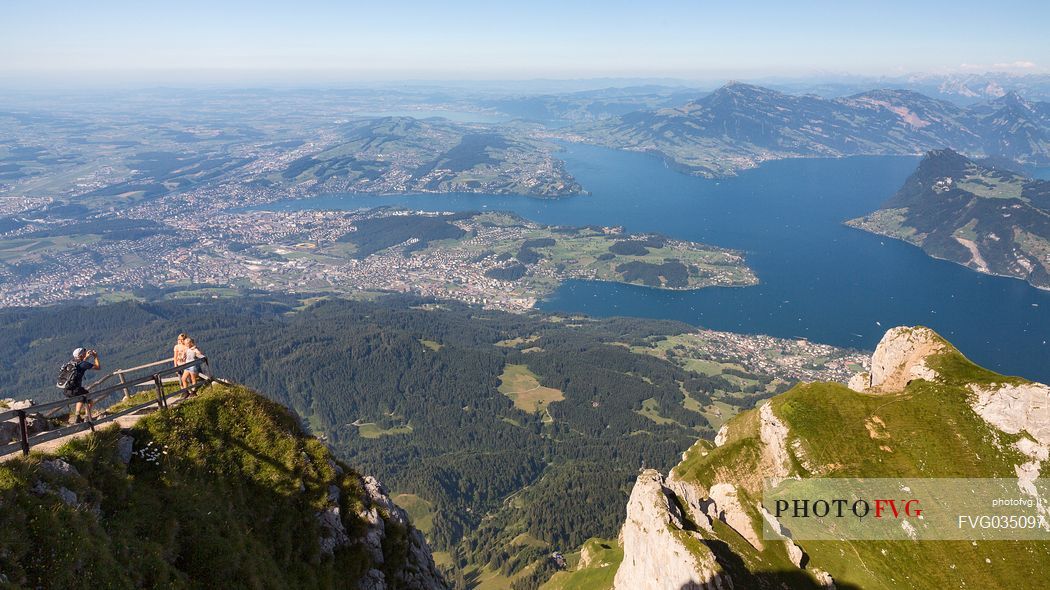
161	402
122	382
24	431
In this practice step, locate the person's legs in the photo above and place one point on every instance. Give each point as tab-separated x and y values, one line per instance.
189	378
80	405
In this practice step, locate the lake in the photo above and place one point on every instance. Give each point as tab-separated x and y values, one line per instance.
819	279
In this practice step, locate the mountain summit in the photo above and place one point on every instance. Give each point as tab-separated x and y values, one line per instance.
222	488
701	526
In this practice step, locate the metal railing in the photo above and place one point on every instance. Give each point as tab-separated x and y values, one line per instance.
156	379
119	374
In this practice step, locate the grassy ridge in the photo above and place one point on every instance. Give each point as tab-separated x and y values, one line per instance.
927	430
223	488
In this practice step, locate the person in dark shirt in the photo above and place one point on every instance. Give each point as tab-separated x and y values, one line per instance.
76	384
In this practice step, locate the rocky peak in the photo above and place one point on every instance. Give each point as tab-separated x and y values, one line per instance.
899	359
654	557
1013	100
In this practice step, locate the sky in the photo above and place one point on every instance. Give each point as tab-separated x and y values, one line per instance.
260	40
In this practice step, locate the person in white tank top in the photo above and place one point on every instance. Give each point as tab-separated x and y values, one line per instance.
192	373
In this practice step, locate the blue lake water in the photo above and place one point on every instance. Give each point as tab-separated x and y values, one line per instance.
820	279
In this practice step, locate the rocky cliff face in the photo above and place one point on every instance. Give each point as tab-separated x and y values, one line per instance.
417	569
923	411
654	555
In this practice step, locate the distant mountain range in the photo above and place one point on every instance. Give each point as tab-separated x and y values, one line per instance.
589	105
740	126
991	220
959	88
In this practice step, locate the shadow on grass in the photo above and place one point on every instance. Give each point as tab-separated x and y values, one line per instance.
471	579
731	563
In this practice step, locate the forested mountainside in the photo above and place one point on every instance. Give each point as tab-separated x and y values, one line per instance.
740	126
222	490
923	411
986	218
507	436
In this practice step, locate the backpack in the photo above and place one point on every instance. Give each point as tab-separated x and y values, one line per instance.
67	375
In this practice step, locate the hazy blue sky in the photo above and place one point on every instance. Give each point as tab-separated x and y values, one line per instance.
536	38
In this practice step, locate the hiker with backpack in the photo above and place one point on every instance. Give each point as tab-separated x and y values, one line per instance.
71	379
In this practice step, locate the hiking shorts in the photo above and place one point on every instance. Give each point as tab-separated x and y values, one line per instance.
75	392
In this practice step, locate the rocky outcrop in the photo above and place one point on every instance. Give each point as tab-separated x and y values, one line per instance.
725	506
57	476
722	435
384	519
59	467
13	404
773	434
655	558
1020	409
860	382
1015	408
900	358
125	448
695	500
10	429
795	553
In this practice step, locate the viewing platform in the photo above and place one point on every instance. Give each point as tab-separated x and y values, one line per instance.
126	412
